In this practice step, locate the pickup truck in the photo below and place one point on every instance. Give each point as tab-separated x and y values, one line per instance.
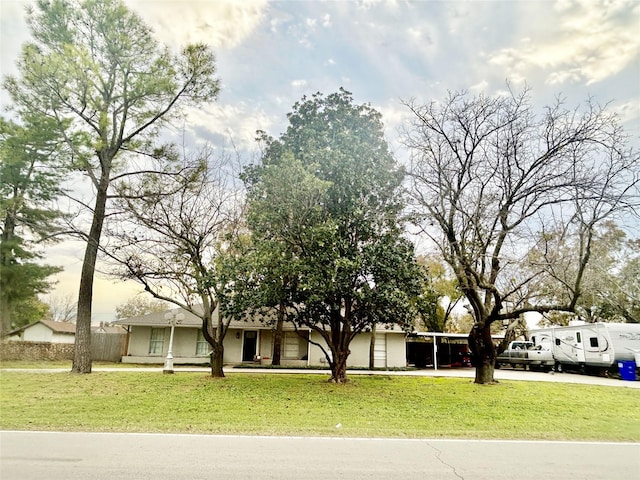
527	354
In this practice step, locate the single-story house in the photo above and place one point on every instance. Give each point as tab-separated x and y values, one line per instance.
50	331
45	331
248	341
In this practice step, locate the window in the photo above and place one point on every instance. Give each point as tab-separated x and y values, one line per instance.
291	345
594	342
578	337
557	341
202	346
156	344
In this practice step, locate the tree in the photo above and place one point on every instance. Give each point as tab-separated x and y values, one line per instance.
94	70
326	196
62	308
29	183
625	295
259	279
139	305
440	296
490	179
170	243
610	285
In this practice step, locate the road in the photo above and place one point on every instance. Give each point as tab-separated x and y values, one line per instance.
109	456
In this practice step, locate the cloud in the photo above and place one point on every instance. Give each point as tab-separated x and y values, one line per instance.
589	43
367	4
236	123
221	24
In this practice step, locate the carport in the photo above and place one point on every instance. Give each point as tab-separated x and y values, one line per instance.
437	349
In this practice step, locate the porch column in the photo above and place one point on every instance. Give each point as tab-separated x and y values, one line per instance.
435	353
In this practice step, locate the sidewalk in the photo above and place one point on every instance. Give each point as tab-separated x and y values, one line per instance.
502	374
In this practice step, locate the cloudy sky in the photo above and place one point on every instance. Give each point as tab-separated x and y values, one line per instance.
270	54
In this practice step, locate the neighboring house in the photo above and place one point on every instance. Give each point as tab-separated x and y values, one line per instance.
45	331
249	341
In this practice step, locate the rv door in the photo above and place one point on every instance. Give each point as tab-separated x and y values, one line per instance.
579	346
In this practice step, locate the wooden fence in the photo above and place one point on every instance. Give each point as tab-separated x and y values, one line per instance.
105	347
108	347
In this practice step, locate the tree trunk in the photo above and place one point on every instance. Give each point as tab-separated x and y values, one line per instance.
483	353
339	367
82	350
484	373
5	259
5	314
217	357
277	336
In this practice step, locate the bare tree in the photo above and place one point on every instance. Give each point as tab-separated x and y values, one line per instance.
490	178
62	308
140	305
169	243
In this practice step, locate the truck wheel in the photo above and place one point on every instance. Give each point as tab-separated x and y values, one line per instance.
558	367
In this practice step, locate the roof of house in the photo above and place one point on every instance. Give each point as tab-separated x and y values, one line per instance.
256	321
60	327
57	327
68	328
189	319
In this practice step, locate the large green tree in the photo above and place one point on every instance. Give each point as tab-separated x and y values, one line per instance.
94	69
327	196
491	178
30	176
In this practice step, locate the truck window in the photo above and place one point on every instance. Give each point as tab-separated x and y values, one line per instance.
593	341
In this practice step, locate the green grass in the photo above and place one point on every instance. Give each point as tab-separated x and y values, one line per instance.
306	404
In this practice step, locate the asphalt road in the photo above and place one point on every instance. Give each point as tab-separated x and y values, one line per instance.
104	456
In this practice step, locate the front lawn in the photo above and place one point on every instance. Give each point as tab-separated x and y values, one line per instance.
306	404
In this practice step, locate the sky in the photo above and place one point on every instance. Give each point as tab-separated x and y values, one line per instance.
271	53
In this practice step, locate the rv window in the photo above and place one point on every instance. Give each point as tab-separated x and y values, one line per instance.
578	339
557	341
594	342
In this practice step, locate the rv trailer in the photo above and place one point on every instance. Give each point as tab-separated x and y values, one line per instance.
590	345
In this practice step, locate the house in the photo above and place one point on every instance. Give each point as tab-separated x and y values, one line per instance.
248	341
50	331
45	331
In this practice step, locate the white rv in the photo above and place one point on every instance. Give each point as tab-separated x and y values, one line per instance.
591	345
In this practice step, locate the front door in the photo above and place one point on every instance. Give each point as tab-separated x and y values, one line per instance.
249	345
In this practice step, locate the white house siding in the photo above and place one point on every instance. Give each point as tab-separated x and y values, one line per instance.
41	333
62	338
184	348
395	350
233	346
